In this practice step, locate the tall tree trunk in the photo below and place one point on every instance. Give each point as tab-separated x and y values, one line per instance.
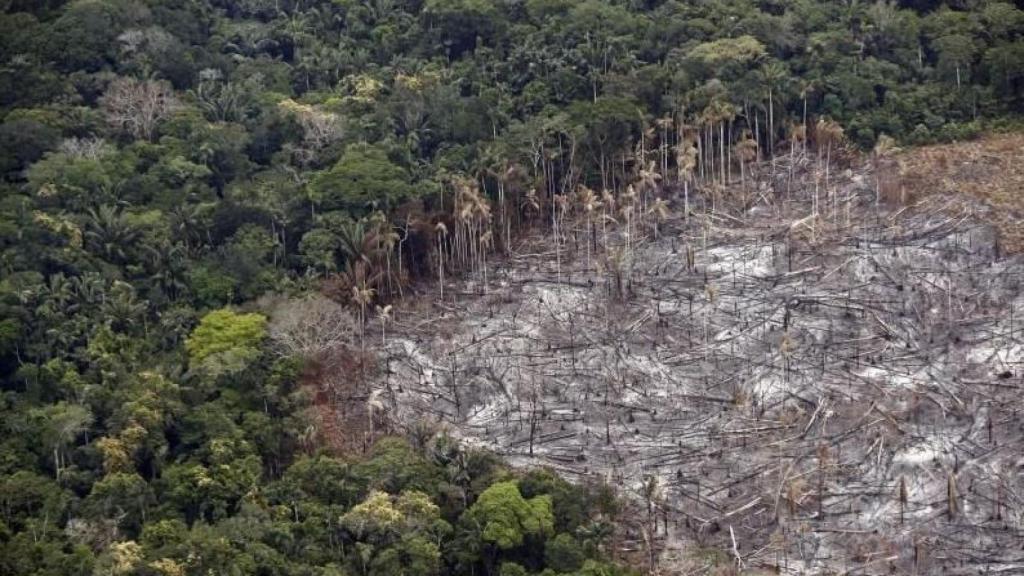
728	150
721	145
757	133
686	199
807	131
700	153
440	265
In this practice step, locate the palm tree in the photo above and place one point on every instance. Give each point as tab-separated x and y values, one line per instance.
58	297
807	87
485	234
463	212
686	160
724	113
486	243
884	149
409	221
828	134
441	231
167	271
385	238
665	123
110	233
187	224
373	404
659	209
650	179
356	242
558	209
362	293
626	210
706	151
384	315
298	28
608	208
589	202
122	307
773	76
595	533
746	151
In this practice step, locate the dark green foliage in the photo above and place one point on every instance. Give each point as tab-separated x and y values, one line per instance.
363	180
563	554
23	141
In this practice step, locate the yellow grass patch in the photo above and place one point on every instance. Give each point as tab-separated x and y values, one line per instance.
990	169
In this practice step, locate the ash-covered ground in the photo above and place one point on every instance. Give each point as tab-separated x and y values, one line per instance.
836	394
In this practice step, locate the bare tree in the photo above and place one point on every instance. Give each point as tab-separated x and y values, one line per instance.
90	148
138	106
320	128
310	327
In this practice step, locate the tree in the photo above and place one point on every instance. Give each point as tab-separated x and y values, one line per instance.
320	128
563	554
512	569
151	51
725	57
1002	19
456	25
80	183
441	232
384	316
85	35
773	76
26	496
124	497
413	555
1005	66
138	106
382	518
589	201
224	100
121	559
310	327
394	467
374	518
506	519
608	126
956	54
604	32
225	341
110	233
364	179
61	424
884	149
22	142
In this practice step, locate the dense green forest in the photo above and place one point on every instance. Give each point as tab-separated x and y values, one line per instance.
178	174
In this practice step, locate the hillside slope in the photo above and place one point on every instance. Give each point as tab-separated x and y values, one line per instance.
814	393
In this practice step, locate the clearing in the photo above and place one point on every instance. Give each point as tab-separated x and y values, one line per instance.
803	378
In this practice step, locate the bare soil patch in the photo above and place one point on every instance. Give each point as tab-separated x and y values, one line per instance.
802	378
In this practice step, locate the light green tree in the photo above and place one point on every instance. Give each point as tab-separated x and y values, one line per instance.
226	342
506	518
